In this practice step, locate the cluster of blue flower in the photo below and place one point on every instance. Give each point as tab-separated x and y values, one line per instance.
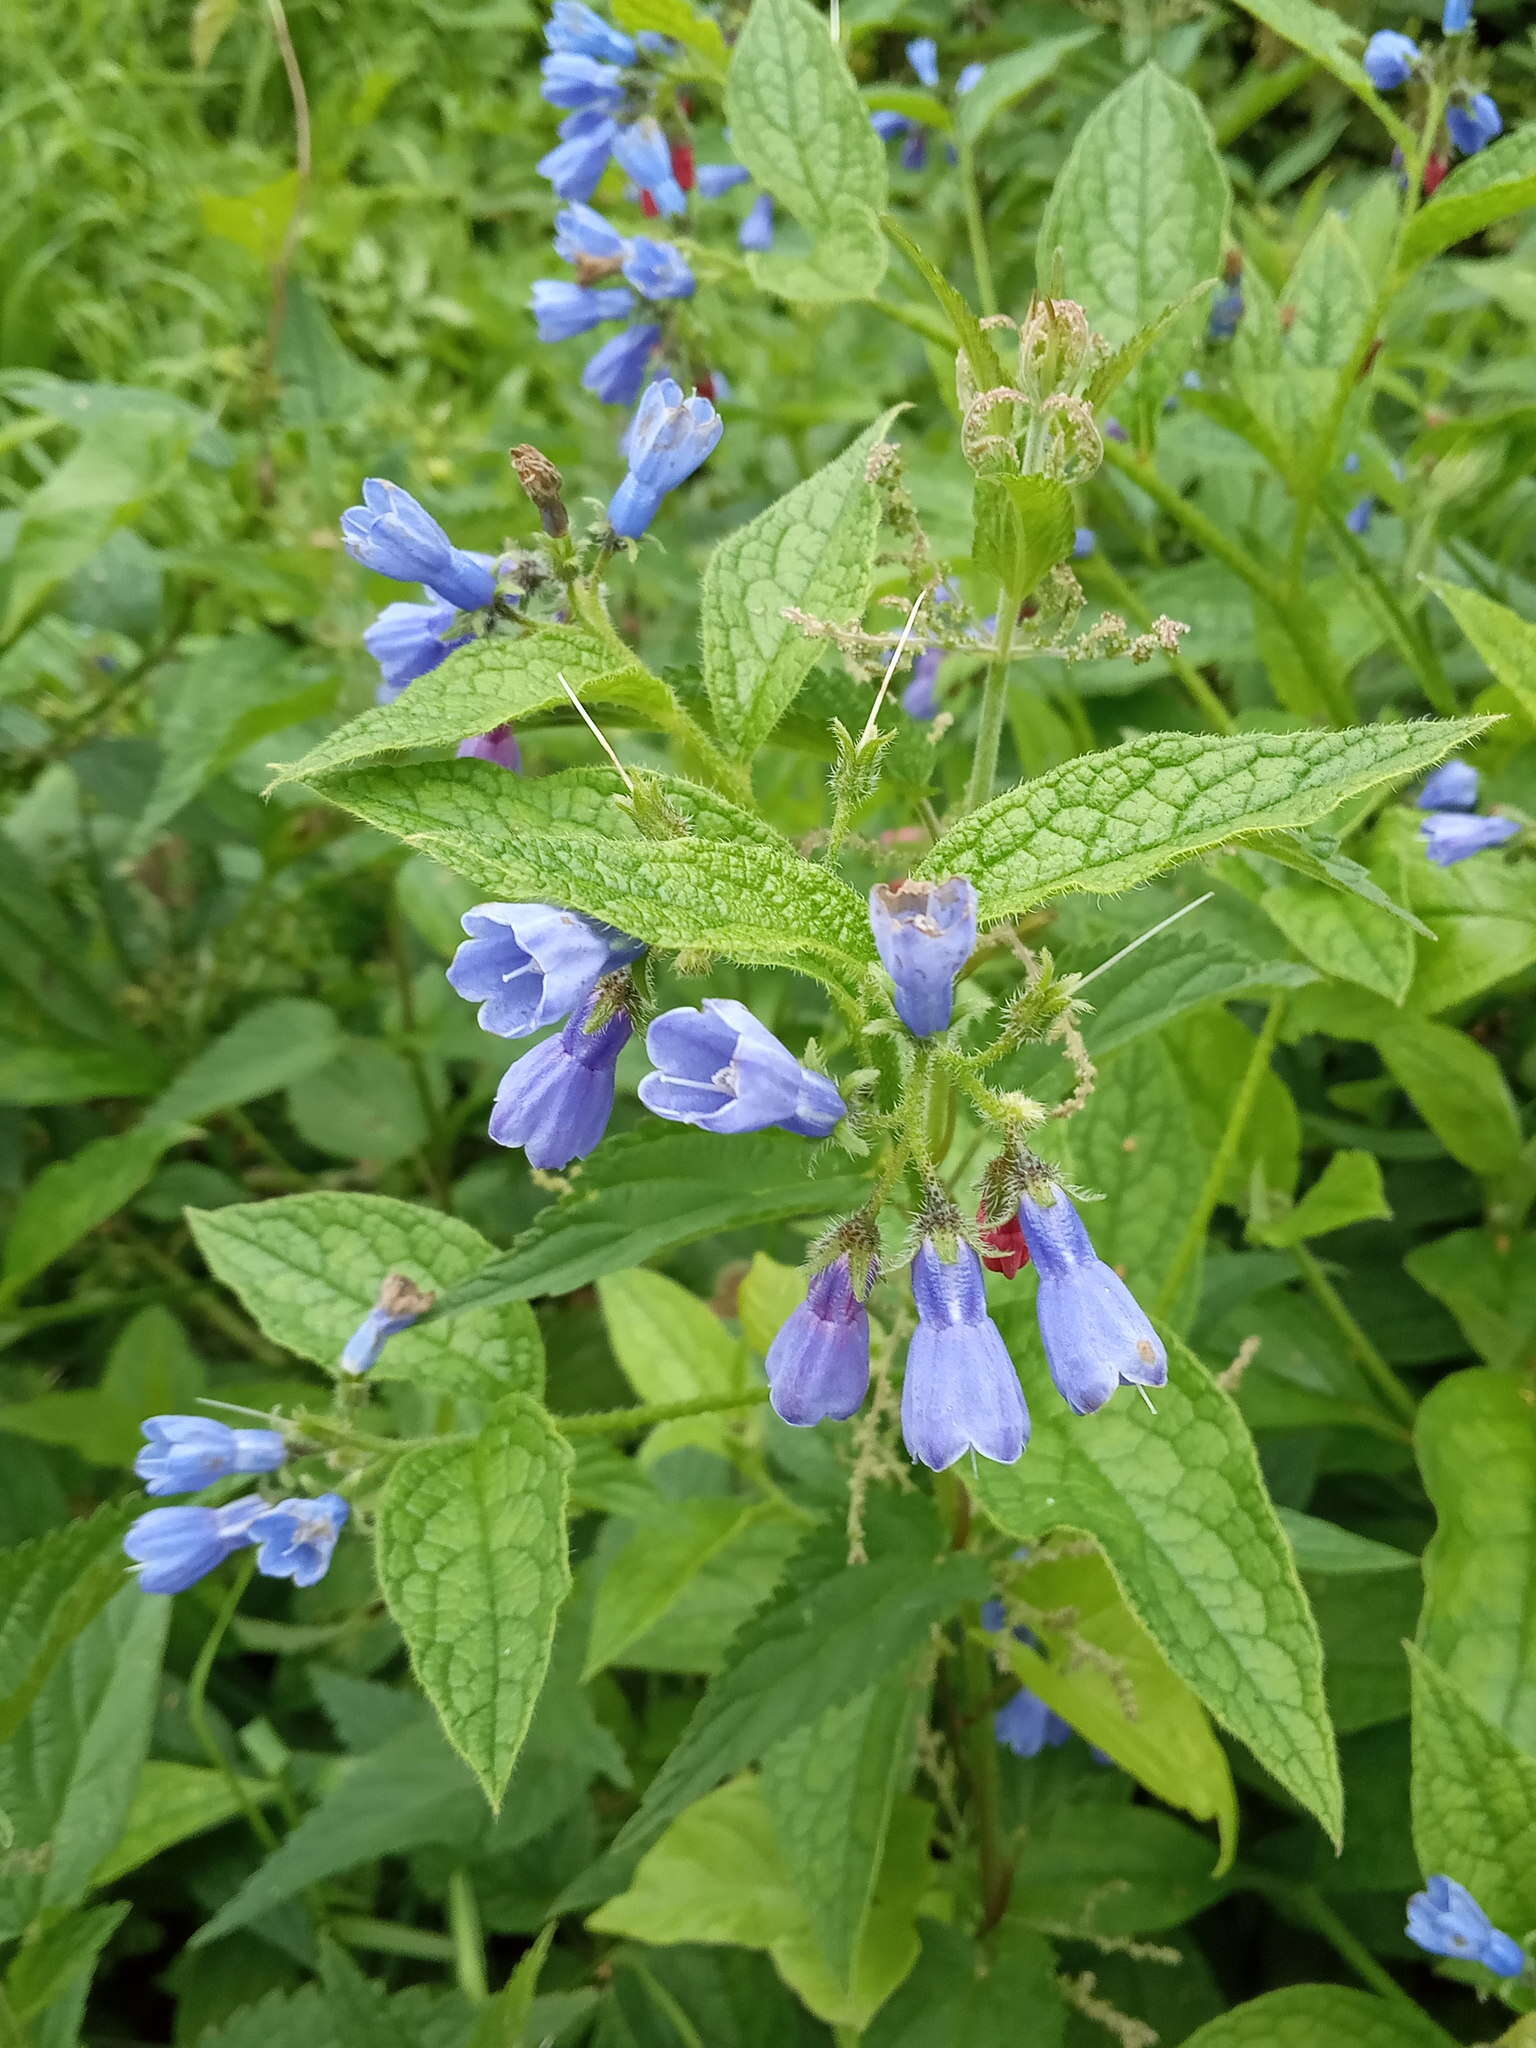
172	1548
1391	59
1452	831
923	56
531	965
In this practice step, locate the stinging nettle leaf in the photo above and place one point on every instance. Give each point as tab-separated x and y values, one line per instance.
474	1566
813	550
1107	821
1023	528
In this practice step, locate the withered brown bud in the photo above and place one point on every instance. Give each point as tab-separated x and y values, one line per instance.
401	1297
543	483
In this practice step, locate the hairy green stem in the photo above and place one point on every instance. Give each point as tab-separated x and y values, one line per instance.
197	1706
994	703
1221	1165
635	1421
976	230
468	1938
1338	1313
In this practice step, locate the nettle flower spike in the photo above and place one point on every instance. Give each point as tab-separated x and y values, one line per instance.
720	1070
1446	1920
1096	1337
924	933
555	1101
528	964
394	536
400	1304
961	1392
818	1364
172	1548
185	1453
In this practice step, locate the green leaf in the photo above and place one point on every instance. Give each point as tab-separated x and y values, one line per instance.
1312	2015
958	1999
748	895
362	1104
1110	375
1324	1548
50	1589
1458	1087
1345	935
1489	1285
1336	44
1474	1800
1348	1190
269	1048
151	1371
1476	1445
1024	527
971	338
43	1971
664	1553
1177	1504
716	1876
1137	1871
1094	1664
1498	182
1331	298
814	550
68	1772
831	1789
1138	212
808	1653
1480	912
472	1559
847	261
171	1803
1506	642
650	1192
798	122
491	682
677	20
1007	79
1195	971
307	1269
72	1197
1319	863
670	1345
1107	821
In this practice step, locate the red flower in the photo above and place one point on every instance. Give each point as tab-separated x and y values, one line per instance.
1008	1250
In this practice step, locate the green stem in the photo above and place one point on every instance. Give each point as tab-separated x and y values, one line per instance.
438	1149
635	1421
996	1868
197	1706
976	230
1308	1906
468	1938
386	1937
994	703
1221	1165
918	319
1338	1313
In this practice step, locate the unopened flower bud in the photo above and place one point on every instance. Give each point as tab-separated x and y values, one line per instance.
542	481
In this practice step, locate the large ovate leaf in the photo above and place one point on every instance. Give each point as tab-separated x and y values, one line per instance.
1474	1800
1488	1283
308	1268
1476	1443
1459	1089
488	683
170	1803
813	550
472	1559
1107	821
649	1192
1320	2015
1138	211
72	1196
1176	1501
269	1048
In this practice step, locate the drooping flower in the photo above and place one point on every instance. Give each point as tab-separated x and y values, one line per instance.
920	698
582	236
296	1538
1359	516
1446	1920
577	162
555	1101
924	933
400	1303
640	149
530	964
1084	542
616	374
756	231
563	310
668	439
961	1392
715	180
657	270
1007	1251
498	746
581	85
1026	1725
1457	17
1452	787
923	56
575	28
1226	313
392	534
409	641
1476	124
172	1548
818	1364
1451	836
1096	1337
721	1070
1389	59
185	1453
